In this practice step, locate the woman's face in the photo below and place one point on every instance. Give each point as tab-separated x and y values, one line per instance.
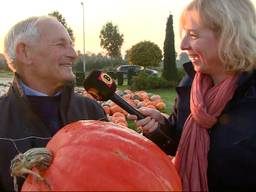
201	45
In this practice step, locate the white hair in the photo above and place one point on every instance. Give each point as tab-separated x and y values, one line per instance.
24	31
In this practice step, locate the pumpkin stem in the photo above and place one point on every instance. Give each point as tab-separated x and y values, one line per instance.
23	163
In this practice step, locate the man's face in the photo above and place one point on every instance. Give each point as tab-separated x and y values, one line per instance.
52	56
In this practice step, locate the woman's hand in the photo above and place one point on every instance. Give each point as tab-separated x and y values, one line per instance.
151	121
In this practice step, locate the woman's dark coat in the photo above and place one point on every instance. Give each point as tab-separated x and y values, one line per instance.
232	154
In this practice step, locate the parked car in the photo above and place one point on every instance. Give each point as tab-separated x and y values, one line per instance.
136	69
151	71
126	68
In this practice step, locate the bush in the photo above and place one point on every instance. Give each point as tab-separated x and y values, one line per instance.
120	78
79	78
97	62
112	74
143	81
130	75
3	66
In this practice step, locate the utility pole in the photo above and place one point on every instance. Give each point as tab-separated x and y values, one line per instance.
84	67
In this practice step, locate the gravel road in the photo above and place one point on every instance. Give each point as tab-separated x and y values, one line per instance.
4	84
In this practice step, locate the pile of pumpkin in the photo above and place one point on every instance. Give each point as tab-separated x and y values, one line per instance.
136	99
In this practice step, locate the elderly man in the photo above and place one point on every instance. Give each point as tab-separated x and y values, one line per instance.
41	99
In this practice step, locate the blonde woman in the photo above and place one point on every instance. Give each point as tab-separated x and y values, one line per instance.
212	130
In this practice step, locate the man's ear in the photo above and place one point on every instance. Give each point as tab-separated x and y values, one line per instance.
22	53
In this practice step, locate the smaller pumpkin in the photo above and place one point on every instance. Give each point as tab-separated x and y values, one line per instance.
155	98
150	106
142	94
160	105
106	109
118	114
115	108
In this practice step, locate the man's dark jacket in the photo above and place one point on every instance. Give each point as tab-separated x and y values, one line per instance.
18	122
232	154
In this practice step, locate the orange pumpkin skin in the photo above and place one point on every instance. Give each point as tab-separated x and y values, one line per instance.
155	98
160	105
106	109
102	156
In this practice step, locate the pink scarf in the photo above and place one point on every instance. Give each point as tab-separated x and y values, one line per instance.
206	104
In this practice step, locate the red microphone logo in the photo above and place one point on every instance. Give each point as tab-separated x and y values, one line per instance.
106	79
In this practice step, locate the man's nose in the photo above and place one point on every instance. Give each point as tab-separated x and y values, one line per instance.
71	52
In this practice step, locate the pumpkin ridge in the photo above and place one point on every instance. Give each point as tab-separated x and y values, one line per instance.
117	151
101	156
134	163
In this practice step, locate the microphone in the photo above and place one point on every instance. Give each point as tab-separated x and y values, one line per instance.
102	87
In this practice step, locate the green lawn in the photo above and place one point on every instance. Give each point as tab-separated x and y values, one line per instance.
167	95
6	74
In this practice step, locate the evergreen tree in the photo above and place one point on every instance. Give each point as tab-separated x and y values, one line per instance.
170	72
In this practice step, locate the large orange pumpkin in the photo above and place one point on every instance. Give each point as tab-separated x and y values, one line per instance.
102	156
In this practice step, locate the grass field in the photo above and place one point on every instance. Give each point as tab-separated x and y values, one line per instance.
6	74
167	95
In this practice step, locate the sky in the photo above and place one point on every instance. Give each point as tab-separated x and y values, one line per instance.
137	20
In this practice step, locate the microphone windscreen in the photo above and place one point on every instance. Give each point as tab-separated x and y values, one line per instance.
100	85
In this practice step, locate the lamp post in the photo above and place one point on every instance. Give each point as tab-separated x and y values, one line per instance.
84	68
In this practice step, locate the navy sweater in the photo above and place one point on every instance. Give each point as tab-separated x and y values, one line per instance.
48	110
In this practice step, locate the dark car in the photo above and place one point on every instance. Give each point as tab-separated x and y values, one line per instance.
135	69
125	68
151	72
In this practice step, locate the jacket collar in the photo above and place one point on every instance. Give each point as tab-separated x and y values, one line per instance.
17	86
189	69
245	77
247	84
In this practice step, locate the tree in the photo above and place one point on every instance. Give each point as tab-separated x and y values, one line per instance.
145	53
62	20
111	39
170	71
127	53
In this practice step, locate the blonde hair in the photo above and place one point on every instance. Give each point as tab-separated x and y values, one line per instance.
24	31
234	23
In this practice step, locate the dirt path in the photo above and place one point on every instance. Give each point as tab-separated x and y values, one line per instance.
5	79
4	84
